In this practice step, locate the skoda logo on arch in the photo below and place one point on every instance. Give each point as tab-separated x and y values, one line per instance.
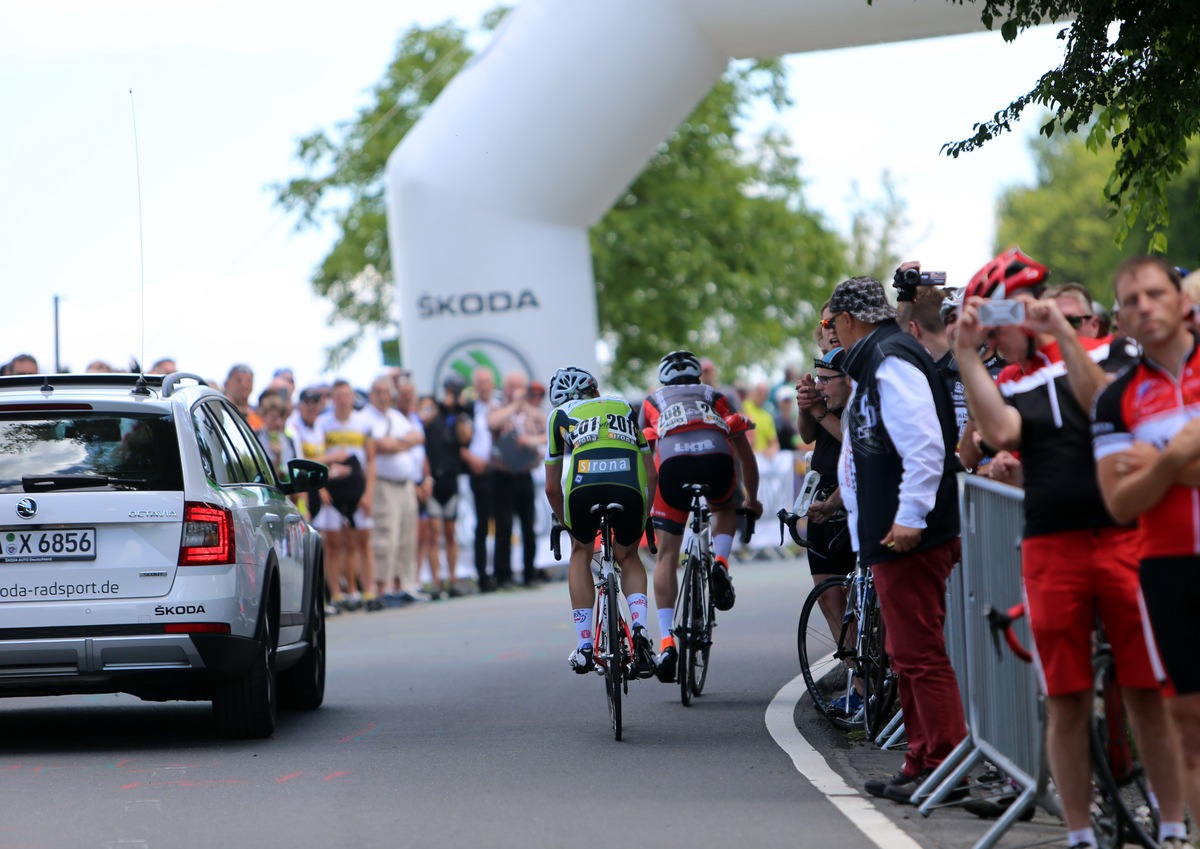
466	357
26	508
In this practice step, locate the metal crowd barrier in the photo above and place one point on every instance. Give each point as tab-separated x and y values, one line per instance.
1001	695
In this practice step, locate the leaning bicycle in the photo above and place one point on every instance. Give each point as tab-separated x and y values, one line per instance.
1123	806
613	650
695	610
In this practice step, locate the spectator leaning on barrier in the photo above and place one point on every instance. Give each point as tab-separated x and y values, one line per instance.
898	439
1075	560
1146	436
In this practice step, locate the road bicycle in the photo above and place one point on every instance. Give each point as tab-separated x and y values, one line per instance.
849	676
613	650
695	611
1123	810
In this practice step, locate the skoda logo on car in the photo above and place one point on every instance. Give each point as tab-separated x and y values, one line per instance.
26	508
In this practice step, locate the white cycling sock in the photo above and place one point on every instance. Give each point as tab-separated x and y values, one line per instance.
638	606
1083	835
1172	829
665	620
583	626
722	545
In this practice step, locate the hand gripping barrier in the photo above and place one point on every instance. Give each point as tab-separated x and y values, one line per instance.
1001	695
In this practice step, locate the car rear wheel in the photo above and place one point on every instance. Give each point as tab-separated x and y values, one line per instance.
245	708
303	686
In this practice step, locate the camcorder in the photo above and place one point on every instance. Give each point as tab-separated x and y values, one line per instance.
906	282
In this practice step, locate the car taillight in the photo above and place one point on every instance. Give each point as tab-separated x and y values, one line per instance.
207	535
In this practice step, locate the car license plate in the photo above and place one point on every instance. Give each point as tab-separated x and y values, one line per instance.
41	546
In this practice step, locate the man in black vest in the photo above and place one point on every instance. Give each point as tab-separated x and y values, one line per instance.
897	473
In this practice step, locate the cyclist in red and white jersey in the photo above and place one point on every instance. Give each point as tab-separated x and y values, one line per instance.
1146	435
695	435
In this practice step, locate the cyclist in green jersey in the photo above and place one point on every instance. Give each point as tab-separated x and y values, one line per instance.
610	463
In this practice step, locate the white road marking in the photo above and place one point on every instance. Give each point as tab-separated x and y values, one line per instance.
781	723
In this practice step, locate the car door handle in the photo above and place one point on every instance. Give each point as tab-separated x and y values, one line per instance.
294	518
270	517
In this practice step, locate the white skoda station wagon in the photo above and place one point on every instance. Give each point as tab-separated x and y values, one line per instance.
148	547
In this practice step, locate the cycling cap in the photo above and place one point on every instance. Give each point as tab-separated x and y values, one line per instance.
572	383
679	367
1007	274
833	360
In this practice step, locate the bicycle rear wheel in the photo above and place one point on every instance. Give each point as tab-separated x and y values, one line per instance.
683	636
702	619
1122	806
826	675
878	679
614	671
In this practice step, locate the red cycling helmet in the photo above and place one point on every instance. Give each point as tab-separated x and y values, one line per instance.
1007	274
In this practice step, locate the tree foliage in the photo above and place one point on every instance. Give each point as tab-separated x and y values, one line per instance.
1064	219
1136	93
711	247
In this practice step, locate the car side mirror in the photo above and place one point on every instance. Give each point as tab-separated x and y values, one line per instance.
304	476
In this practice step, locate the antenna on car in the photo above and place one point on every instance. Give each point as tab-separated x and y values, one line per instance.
140	388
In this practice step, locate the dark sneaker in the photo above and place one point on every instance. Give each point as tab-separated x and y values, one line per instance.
903	792
374	604
847	707
722	585
581	660
643	655
992	808
666	663
878	786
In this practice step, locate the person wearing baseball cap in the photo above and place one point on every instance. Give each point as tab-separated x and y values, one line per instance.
900	436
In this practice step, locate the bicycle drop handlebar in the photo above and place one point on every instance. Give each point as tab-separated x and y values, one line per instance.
556	529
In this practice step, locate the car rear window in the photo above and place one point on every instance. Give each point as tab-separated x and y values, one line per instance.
88	449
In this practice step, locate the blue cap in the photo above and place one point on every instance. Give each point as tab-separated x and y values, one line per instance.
832	360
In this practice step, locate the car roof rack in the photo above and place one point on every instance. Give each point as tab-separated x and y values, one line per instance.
138	383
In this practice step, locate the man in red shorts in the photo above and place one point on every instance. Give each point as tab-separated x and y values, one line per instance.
1077	562
1146	434
695	436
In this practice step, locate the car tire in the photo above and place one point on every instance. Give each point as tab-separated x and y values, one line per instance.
245	708
303	686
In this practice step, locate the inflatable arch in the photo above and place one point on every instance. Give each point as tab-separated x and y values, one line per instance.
490	196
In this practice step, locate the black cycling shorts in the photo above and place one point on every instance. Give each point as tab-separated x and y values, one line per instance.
672	503
1171	592
629	524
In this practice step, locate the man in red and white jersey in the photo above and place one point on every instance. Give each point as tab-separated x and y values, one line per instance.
695	436
1146	436
1077	563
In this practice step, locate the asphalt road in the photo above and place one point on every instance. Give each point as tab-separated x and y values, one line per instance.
450	724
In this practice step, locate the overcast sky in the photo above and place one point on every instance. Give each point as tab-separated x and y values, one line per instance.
223	90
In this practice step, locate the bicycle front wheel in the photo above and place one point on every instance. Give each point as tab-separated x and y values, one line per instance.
878	679
1123	809
824	655
614	672
702	619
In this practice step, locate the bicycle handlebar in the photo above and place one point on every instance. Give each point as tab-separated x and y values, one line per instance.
750	520
556	528
1001	622
788	519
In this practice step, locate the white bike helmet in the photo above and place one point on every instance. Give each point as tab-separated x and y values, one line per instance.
679	367
571	383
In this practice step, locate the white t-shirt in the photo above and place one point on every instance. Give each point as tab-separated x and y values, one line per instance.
398	465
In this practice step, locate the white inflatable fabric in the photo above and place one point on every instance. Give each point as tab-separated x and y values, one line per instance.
490	196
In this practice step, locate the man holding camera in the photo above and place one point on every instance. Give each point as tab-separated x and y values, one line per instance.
899	436
1075	560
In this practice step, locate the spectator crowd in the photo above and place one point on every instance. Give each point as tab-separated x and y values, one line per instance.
1013	376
